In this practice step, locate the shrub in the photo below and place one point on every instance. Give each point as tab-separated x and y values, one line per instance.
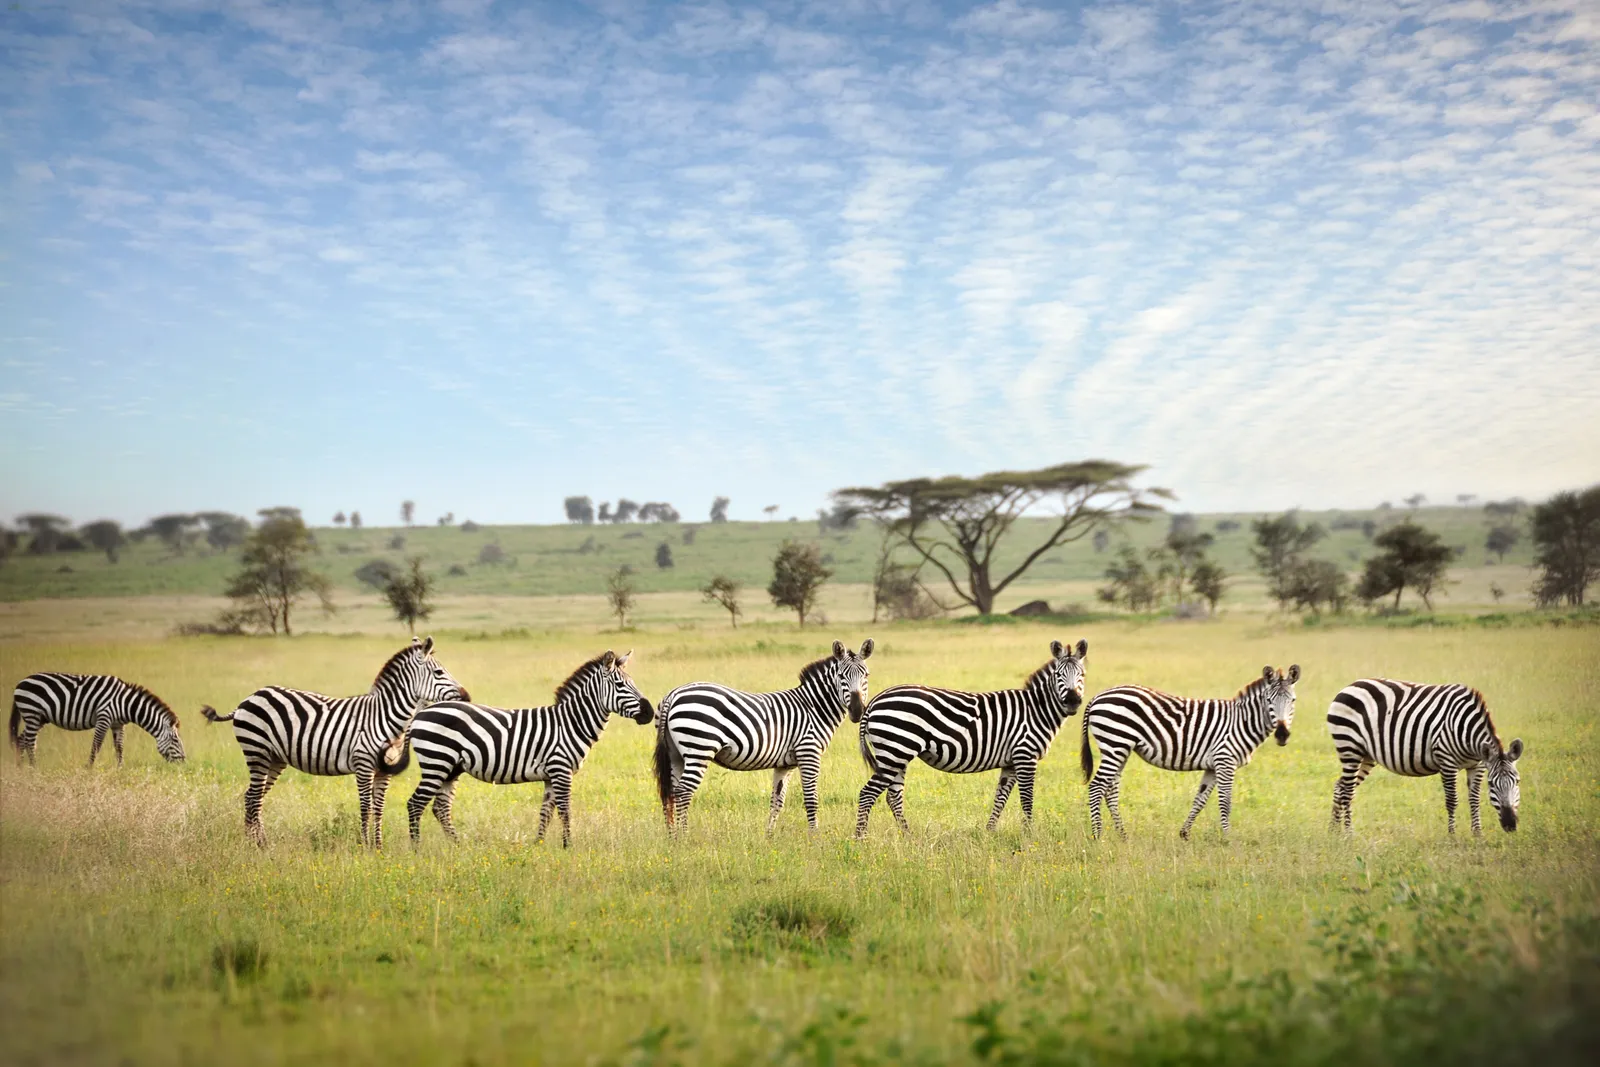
664	556
491	554
470	527
377	573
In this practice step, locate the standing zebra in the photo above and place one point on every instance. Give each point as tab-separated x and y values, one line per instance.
1215	737
702	723
98	702
963	733
1420	730
505	746
278	727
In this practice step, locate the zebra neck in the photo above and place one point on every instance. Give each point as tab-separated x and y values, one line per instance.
140	712
1039	698
587	718
819	698
391	707
1254	712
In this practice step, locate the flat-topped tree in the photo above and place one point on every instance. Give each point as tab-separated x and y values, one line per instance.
955	525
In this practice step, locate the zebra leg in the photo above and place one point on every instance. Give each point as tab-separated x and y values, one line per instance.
29	743
364	776
1447	775
780	786
1025	791
694	769
881	779
1225	794
427	789
810	774
1474	784
1343	790
442	802
100	729
261	779
547	808
116	742
897	804
380	788
1208	778
1002	793
561	786
1104	788
1361	776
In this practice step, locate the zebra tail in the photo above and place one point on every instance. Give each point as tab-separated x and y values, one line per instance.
209	713
1085	753
866	751
15	728
664	783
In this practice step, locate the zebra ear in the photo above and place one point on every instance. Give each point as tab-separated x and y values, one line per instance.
1294	673
866	648
1083	648
608	659
1491	749
838	649
1267	672
427	646
623	659
1055	649
1514	753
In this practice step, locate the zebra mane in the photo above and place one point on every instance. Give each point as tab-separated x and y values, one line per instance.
1039	674
1250	689
578	677
815	668
161	705
1483	706
394	660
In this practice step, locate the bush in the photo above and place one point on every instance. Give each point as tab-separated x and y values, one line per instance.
664	556
376	573
470	527
397	543
491	554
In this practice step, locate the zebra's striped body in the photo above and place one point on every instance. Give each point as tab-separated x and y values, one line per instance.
1215	737
278	727
506	746
1420	730
703	723
99	702
962	733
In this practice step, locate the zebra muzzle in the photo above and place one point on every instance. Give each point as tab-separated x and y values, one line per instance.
1282	734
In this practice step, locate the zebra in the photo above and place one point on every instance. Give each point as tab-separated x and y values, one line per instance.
1420	730
278	727
702	722
1215	737
963	733
505	746
99	702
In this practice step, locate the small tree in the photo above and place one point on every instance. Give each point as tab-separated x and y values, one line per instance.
338	518
355	520
770	511
408	511
1186	547
657	511
580	509
1280	543
797	577
224	531
1209	582
724	591
9	540
664	556
172	530
1134	580
1413	557
626	510
1415	501
1566	538
105	535
620	594
1502	539
273	576
605	512
719	509
407	593
1313	584
46	533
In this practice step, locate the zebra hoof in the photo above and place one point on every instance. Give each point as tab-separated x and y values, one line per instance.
1184	834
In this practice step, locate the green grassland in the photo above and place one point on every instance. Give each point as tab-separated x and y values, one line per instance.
140	927
552	560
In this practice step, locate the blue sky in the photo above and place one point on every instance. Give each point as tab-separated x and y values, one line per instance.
486	255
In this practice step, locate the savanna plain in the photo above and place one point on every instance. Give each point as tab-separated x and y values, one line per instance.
139	925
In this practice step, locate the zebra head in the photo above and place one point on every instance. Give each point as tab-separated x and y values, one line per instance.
849	672
1505	790
168	743
152	713
421	677
1066	674
1278	695
612	690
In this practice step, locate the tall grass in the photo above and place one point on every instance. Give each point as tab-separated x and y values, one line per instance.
121	890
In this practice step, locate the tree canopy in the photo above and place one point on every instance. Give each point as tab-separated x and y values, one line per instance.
1566	534
1413	557
955	525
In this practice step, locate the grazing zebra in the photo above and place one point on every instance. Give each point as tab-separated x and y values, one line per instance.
1009	730
278	727
1419	730
98	702
1215	737
504	746
701	723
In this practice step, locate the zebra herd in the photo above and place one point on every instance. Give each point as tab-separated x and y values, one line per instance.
415	706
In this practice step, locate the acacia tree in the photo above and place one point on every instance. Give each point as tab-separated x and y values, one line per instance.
719	509
1413	557
724	591
105	535
797	576
407	593
620	594
1209	581
273	576
955	525
580	509
408	511
1280	544
46	533
224	531
1566	535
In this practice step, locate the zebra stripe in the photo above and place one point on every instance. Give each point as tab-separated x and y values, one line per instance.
278	727
1420	730
510	745
702	723
963	733
1216	737
99	702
